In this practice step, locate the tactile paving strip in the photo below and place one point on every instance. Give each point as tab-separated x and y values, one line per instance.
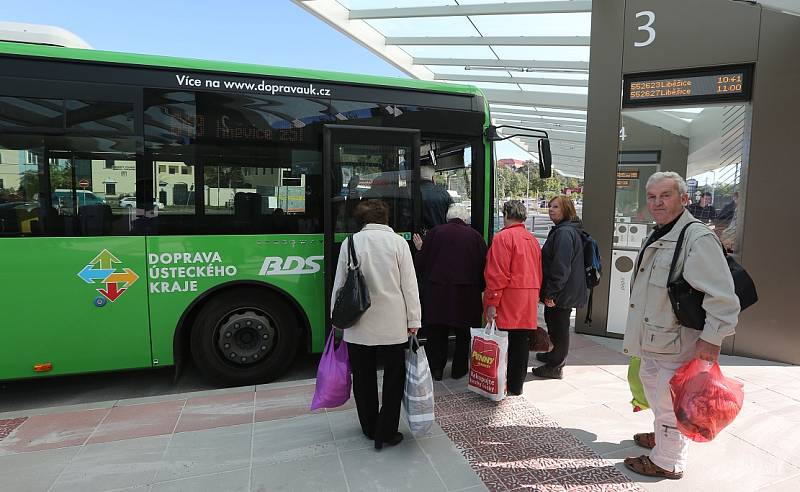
512	445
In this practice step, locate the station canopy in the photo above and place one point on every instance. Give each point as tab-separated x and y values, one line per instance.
530	58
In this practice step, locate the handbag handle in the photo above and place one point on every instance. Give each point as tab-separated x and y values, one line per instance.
352	259
413	340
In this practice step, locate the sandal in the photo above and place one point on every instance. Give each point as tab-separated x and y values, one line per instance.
645	439
643	466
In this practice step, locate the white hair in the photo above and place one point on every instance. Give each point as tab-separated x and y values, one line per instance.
426	172
683	188
458	211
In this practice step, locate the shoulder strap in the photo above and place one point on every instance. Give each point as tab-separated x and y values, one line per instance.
352	259
678	246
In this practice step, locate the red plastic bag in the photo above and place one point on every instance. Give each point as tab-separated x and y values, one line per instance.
704	400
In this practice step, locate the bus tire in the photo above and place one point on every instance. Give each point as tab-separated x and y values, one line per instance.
244	337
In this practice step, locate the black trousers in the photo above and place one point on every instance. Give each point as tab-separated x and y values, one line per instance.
557	320
517	367
437	345
378	424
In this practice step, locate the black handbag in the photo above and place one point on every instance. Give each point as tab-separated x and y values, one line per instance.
352	298
687	302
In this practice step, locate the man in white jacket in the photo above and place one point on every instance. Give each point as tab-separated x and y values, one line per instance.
652	331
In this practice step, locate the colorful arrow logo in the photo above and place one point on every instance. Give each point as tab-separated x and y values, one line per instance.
102	268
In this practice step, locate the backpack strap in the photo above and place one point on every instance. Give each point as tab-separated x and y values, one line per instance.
588	320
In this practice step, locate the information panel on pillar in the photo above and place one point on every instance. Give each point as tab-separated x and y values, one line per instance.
707	85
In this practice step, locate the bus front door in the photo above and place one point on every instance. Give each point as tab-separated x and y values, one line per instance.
362	163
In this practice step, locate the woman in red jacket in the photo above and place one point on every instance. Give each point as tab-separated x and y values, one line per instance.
513	278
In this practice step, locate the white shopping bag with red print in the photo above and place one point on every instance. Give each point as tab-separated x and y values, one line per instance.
487	362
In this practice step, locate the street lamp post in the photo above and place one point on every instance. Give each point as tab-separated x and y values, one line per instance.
528	182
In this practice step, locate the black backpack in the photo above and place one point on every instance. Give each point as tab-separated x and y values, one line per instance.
593	267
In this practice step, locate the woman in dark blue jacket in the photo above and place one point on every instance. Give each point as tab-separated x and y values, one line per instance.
564	282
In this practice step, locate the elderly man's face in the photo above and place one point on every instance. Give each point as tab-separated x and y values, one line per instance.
665	202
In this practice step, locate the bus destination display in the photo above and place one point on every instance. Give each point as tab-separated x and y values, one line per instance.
692	87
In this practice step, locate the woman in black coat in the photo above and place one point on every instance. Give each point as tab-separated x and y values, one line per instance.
564	282
451	262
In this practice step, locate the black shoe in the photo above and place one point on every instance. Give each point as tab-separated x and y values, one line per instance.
394	441
437	374
458	375
543	356
548	372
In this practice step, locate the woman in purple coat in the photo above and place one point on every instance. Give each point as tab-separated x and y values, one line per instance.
450	262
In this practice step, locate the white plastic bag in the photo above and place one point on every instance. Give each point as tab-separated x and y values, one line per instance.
488	362
540	322
418	395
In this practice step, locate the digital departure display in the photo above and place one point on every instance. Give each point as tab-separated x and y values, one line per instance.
731	83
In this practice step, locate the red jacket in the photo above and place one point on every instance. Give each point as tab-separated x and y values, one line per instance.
513	277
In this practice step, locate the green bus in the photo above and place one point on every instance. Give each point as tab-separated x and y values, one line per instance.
220	193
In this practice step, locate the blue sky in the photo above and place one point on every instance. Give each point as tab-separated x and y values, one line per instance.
268	32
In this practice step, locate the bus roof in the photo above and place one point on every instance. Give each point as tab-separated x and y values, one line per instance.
98	56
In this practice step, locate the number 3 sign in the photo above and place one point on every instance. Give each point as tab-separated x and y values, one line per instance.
647	27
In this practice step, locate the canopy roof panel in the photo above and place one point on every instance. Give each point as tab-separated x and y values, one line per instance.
530	58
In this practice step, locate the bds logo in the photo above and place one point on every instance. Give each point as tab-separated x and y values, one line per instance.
292	265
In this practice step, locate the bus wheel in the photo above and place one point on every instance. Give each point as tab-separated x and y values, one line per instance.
244	337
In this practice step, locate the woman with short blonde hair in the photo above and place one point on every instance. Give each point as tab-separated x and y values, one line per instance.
564	282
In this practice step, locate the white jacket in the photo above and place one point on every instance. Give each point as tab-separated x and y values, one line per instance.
388	270
652	331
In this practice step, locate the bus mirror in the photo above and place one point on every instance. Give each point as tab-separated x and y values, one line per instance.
545	159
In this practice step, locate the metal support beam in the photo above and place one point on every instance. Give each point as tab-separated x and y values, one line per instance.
535	112
557	140
535	98
578	159
572	154
566	137
488	40
553	7
529	65
511	120
537	120
337	16
511	80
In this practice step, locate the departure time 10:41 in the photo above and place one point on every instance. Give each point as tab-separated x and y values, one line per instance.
727	84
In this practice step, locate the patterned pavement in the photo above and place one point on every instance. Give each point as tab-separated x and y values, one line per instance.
514	446
8	426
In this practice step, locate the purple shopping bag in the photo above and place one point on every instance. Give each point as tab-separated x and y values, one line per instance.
333	377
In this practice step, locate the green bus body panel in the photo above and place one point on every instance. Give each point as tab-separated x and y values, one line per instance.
57	52
277	256
49	313
61	310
